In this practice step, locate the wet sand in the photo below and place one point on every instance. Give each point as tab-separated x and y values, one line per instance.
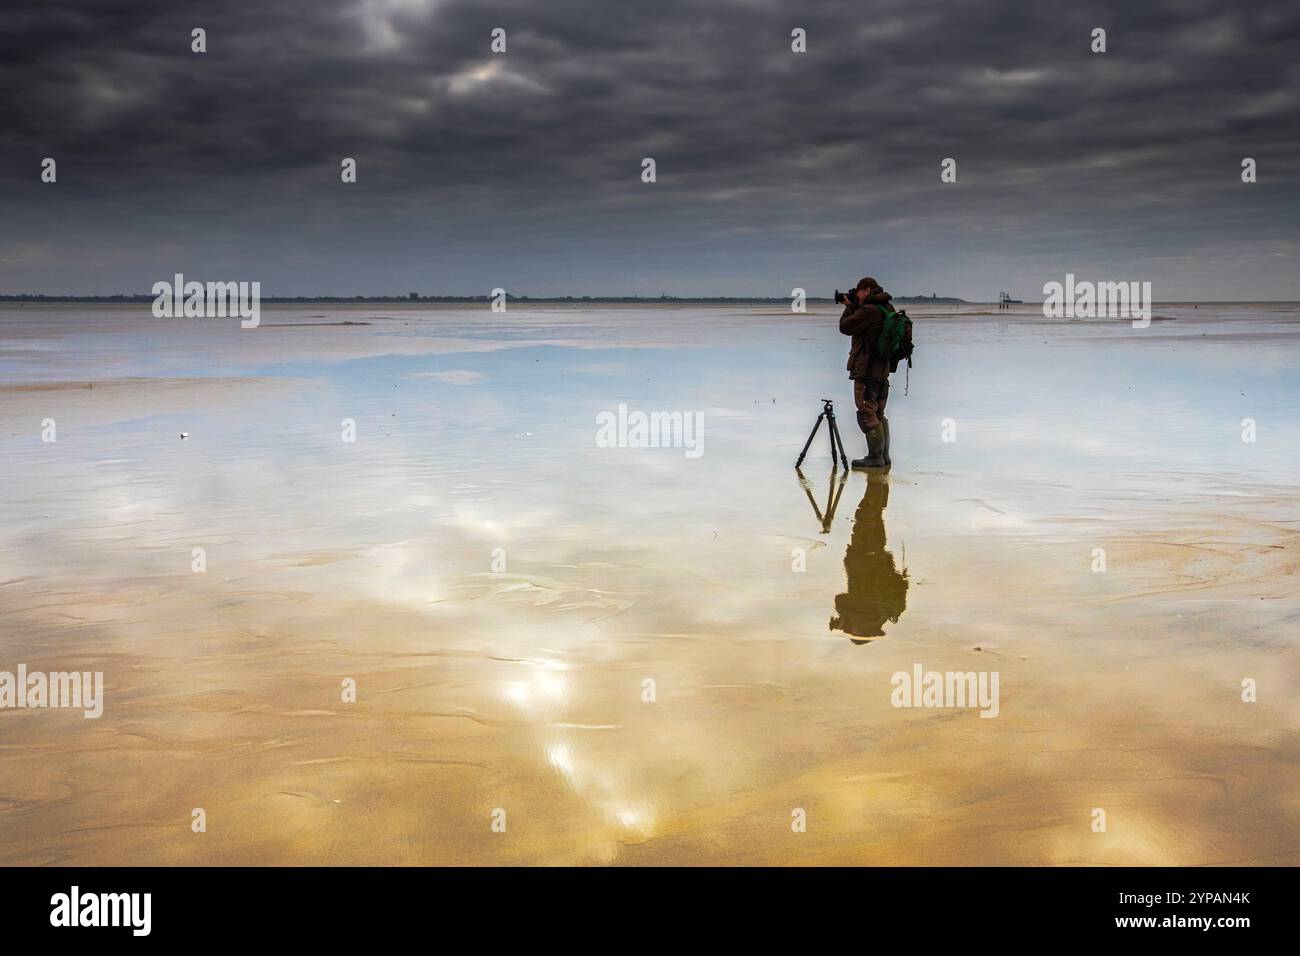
522	688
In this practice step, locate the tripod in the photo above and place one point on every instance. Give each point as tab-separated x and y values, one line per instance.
837	443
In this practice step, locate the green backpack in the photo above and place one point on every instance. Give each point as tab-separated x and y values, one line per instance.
895	342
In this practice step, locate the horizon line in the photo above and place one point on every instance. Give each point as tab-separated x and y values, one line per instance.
22	297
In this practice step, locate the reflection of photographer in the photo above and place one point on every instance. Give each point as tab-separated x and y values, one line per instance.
876	592
882	337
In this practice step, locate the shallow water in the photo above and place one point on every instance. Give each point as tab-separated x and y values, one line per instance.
501	589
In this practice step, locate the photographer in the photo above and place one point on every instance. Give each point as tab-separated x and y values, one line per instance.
863	319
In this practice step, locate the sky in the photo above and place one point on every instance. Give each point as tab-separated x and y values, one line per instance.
774	169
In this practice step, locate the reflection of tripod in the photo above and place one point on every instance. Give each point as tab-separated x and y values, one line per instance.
837	443
833	492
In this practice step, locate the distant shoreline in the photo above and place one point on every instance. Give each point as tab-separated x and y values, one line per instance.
390	300
461	299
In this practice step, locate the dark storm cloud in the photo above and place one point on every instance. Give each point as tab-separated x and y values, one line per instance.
774	168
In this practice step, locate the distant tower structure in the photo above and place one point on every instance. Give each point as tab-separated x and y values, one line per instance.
1004	298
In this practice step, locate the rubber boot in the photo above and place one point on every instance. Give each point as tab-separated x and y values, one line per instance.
884	450
875	442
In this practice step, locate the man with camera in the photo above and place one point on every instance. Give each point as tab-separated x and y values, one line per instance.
864	320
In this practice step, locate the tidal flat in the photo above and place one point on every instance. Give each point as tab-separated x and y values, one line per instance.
564	649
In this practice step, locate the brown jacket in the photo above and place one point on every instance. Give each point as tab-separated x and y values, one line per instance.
864	323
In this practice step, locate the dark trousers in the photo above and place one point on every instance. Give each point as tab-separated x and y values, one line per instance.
869	396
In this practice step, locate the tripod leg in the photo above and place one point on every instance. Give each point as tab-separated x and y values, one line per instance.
836	437
811	435
835	450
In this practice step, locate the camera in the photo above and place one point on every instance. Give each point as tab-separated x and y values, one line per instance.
845	298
